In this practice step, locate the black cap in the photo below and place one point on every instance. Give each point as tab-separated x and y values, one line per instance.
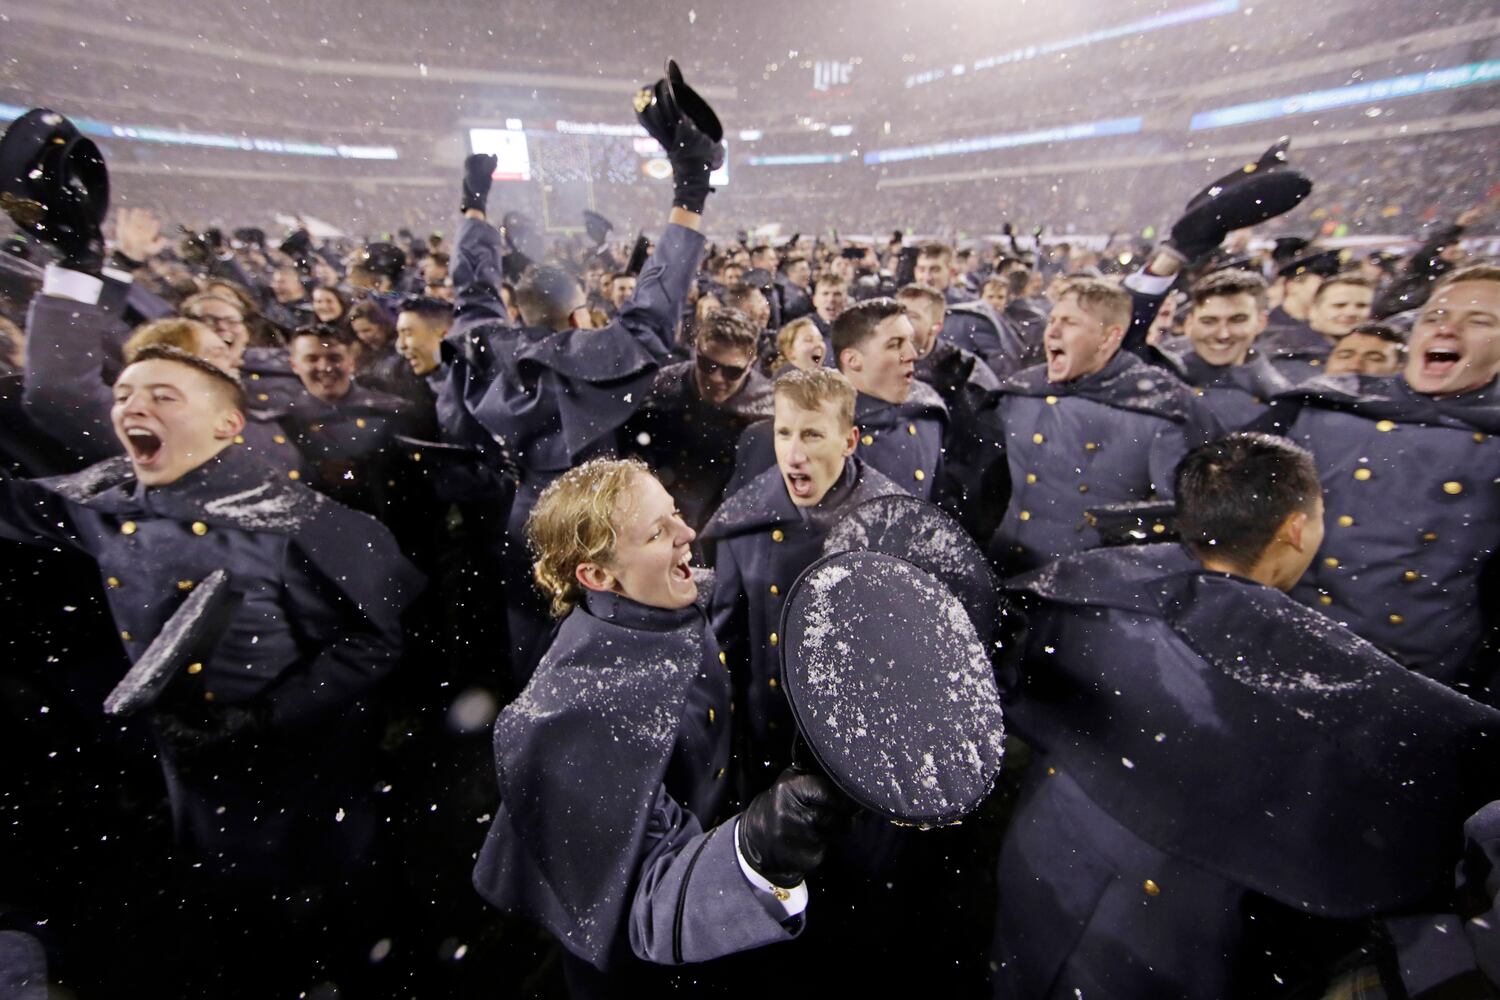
1326	263
674	114
384	258
893	690
597	226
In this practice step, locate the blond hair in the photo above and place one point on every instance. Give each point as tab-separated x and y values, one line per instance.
174	331
812	388
573	522
787	336
1107	303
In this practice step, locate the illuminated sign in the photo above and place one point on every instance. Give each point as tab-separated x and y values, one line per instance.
211	140
795	159
1198	12
1469	75
829	75
958	147
512	158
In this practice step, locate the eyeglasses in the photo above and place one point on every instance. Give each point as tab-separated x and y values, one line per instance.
731	373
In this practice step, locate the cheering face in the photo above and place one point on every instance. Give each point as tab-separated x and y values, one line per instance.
652	560
418	342
171	419
808	348
719	371
1455	343
325	367
811	448
885	364
326	306
620	291
228	326
372	335
1339	307
1364	354
830	299
1223	328
1077	343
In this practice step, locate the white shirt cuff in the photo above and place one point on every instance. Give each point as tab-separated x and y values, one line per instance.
64	284
114	273
1149	284
793	901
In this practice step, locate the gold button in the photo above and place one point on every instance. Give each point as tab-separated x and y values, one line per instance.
1331	562
775	590
1395	619
125	635
239	439
262	396
1453	488
1031	477
1345	521
1478	438
911	429
1025	515
1083	487
1158	528
1385	426
1051	771
775	639
778	535
1362	474
208	696
279	439
1324	600
128	528
1090	446
113	582
867	440
359	422
195	668
199	528
294	474
1051	400
712	715
773	682
920	475
1037	438
184	584
1152	889
255	376
723	660
1316	362
719	775
1429	536
1411	576
416	456
1197	392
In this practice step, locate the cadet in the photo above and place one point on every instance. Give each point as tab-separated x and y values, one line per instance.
1409	466
615	831
1369	349
970	323
1229	785
768	532
697	410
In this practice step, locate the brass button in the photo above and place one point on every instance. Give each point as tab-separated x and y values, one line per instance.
1324	600
1090	446
775	639
1316	362
1345	521
184	584
113	582
125	635
1051	400
1478	438
775	590
199	528
128	528
723	660
1429	536
1411	576
1385	426
255	376
920	475
1197	392
294	474
1152	889
262	396
1453	488
416	456
773	682
1025	515
239	439
1362	474
195	668
778	535
1037	438
911	429
208	696
719	775
1331	562
867	440
1395	619
712	715
279	439
1158	528
1031	477
359	422
1083	487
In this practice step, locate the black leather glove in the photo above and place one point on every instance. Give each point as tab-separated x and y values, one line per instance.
479	173
784	830
690	171
199	729
951	370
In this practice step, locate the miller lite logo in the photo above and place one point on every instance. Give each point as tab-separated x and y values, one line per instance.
828	74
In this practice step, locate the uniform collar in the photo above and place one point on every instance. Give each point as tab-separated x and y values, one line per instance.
622	611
